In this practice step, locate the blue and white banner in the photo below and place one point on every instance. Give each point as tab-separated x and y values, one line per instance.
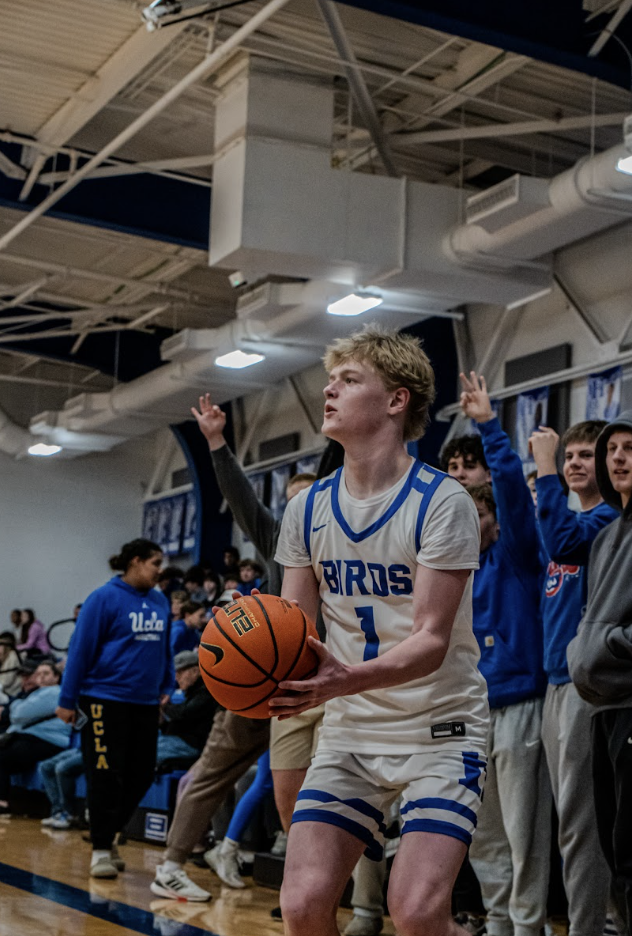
603	399
150	521
279	478
308	465
189	526
176	520
531	413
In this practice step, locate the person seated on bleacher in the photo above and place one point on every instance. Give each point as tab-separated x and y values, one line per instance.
10	683
32	640
185	725
34	733
186	633
59	774
28	683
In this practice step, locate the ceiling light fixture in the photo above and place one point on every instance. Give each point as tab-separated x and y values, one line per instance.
42	449
354	304
238	359
625	165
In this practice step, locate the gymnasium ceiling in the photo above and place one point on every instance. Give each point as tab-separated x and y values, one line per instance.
89	290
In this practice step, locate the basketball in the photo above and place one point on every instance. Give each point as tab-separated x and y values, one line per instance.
252	645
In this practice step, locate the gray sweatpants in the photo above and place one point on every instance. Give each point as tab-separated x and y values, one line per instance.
566	737
510	851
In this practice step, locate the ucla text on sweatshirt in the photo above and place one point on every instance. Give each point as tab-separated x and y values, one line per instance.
120	647
567	538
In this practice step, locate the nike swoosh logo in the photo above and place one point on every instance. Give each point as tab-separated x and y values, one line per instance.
217	652
532	743
316	529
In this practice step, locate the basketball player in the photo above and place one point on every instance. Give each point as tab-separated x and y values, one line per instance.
388	546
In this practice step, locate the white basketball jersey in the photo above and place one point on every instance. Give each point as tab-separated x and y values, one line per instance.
364	554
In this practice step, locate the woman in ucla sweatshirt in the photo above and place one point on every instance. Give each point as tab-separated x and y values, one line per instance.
118	670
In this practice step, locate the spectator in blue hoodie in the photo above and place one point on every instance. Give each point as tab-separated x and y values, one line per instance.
34	732
119	669
510	851
567	537
186	632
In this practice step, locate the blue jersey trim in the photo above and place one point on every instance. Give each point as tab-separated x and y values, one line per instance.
437	828
392	510
353	803
373	850
474	766
316	487
427	490
439	802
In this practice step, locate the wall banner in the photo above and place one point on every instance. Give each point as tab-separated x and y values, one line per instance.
603	399
531	413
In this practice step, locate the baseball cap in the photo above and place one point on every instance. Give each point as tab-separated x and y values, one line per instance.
184	659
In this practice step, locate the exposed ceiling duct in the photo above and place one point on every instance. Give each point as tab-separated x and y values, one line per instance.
280	208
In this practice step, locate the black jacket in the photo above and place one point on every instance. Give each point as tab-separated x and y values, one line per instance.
191	720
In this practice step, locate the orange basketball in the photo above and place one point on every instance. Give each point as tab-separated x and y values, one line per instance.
252	645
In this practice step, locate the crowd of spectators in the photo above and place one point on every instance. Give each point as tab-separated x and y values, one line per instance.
529	596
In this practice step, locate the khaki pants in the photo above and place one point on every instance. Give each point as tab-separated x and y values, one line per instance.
234	744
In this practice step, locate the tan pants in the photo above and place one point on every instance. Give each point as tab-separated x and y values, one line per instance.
234	744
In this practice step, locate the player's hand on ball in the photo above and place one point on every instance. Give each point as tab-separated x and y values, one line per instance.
331	680
475	401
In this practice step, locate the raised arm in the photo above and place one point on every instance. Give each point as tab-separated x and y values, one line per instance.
250	514
516	514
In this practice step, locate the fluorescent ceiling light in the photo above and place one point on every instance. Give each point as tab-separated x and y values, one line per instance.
238	359
625	165
354	304
41	448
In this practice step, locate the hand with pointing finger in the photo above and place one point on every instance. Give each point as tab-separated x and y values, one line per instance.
212	422
475	401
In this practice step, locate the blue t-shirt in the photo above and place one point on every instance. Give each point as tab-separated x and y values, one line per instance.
183	637
120	647
567	537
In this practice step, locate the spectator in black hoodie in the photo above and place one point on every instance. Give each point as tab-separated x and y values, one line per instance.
600	661
186	725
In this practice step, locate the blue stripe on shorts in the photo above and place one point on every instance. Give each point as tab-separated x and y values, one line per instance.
438	828
373	850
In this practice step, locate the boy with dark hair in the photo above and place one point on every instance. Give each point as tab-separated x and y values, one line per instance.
600	661
463	458
510	852
567	536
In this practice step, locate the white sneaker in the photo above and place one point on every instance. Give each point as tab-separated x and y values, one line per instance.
177	885
50	820
280	845
225	865
62	821
103	868
117	861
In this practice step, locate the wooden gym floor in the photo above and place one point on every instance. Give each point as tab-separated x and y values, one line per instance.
45	891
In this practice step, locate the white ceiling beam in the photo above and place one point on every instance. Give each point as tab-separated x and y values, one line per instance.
10	169
159	166
201	71
609	30
519	128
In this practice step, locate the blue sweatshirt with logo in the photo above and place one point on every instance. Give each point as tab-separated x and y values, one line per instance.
120	647
183	637
567	537
507	586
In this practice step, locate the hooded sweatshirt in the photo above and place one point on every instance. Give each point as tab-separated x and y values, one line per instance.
507	586
600	656
120	647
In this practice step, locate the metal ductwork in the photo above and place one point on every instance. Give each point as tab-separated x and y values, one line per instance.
522	219
14	440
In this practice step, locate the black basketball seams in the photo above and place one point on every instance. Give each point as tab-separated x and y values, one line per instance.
227	682
241	652
271	629
255	704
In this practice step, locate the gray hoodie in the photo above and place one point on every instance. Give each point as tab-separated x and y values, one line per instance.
600	656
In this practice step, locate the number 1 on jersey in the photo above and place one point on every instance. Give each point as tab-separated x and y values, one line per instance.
367	623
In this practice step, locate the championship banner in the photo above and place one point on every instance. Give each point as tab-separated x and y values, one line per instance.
603	399
531	413
164	523
308	465
150	520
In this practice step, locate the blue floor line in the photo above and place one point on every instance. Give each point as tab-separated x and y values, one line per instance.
112	911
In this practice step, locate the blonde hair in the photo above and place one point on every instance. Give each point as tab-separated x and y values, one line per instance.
400	361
